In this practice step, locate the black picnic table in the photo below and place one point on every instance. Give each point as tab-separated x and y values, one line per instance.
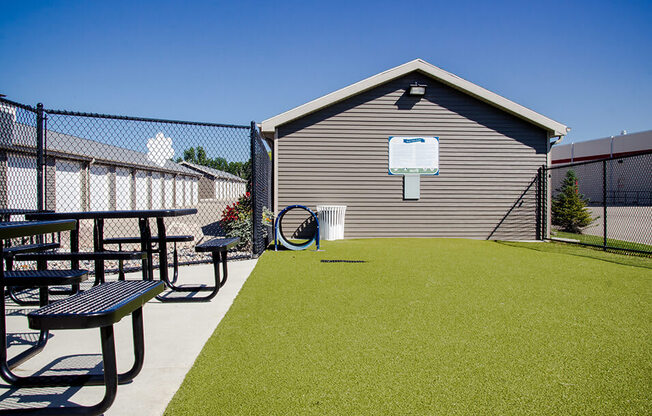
7	213
100	307
143	217
28	278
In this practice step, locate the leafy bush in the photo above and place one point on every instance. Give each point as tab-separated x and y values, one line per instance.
237	221
569	207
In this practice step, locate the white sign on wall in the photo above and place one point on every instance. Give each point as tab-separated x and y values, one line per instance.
413	155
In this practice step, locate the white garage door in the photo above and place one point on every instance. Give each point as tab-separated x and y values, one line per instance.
99	190
122	189
179	195
195	191
157	191
169	191
188	191
68	186
21	182
141	190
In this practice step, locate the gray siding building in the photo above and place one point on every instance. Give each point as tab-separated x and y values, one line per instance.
334	150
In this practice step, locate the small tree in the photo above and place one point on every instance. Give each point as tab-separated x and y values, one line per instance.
569	206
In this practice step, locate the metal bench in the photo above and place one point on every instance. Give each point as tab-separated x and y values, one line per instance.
10	252
29	248
75	257
99	307
136	240
42	279
218	248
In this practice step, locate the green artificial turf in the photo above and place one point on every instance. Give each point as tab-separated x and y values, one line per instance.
429	326
618	257
597	240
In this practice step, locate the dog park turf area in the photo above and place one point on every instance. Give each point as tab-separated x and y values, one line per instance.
430	326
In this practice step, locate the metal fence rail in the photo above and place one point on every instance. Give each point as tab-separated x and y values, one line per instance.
617	193
73	161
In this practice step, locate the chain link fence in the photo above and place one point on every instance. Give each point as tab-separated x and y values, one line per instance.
617	194
261	189
96	162
19	169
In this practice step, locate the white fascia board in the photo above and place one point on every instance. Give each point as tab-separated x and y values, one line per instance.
555	128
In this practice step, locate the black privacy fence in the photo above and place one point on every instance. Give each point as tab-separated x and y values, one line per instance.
70	161
604	203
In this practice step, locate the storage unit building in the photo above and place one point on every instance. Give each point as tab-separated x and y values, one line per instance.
334	150
83	174
623	181
217	184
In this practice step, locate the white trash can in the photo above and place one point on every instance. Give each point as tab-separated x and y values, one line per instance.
331	221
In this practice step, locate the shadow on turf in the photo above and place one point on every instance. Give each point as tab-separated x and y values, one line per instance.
573	250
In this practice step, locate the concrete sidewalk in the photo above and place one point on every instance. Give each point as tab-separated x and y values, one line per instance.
174	336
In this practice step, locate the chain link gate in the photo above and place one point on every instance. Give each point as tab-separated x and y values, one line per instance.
617	193
261	190
71	161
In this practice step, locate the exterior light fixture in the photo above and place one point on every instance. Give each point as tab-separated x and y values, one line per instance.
417	90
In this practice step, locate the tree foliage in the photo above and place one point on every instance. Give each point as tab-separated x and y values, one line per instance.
569	206
198	156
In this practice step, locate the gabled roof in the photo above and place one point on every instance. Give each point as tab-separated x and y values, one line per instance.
556	129
214	173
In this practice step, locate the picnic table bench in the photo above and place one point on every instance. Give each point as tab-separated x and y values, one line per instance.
218	248
100	307
9	254
42	279
29	248
155	240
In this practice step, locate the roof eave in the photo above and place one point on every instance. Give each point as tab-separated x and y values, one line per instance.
553	127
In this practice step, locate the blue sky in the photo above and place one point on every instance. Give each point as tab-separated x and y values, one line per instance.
585	64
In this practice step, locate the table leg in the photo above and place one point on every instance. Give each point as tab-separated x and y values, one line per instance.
74	245
74	248
98	245
162	250
225	271
146	246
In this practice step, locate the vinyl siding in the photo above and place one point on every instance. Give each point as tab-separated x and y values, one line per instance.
488	158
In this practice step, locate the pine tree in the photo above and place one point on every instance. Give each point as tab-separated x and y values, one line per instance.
569	206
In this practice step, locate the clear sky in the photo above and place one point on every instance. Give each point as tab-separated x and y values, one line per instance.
585	64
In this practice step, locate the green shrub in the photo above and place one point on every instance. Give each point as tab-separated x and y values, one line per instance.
569	206
237	221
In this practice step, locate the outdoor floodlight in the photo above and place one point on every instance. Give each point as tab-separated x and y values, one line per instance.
417	90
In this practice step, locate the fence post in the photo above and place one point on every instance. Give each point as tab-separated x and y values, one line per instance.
604	200
539	209
39	156
255	221
544	202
